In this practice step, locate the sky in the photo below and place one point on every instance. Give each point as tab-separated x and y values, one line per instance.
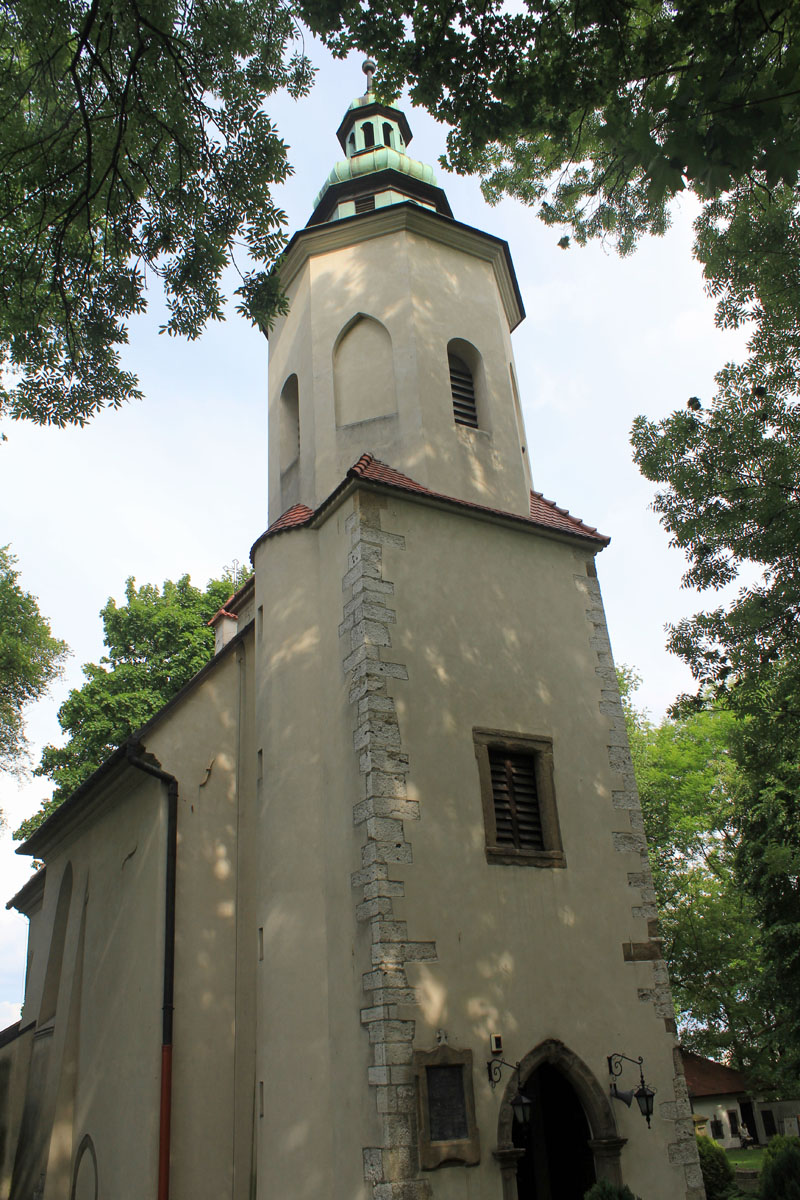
177	483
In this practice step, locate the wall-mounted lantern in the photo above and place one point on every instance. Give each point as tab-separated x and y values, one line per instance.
521	1105
643	1095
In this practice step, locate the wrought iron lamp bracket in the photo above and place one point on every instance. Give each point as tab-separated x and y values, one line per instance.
494	1069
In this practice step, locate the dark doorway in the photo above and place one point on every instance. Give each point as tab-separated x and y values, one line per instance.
748	1118
558	1163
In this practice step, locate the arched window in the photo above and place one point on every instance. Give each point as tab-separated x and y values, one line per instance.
462	386
351	142
369	134
289	423
387	134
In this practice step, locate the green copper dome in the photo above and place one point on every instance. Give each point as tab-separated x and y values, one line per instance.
381	158
377	171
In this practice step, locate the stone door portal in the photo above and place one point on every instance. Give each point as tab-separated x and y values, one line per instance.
573	1139
557	1163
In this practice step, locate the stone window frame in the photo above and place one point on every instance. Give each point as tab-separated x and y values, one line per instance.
541	750
463	1151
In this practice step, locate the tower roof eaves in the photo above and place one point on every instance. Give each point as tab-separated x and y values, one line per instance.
335	235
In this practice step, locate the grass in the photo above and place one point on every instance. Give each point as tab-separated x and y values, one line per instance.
751	1159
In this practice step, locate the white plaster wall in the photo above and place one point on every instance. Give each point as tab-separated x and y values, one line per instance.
118	858
786	1114
720	1106
425	293
117	864
206	743
492	629
312	1052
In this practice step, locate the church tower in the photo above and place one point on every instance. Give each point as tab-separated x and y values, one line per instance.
452	869
379	281
365	911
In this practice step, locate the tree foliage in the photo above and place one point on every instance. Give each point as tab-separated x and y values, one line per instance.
605	1190
780	1172
157	640
730	498
597	113
133	143
690	789
718	1174
30	659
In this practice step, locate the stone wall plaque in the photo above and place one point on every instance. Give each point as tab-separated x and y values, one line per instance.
447	1104
448	1132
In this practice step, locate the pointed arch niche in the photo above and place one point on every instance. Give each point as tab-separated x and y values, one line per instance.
289	423
363	372
84	1178
55	957
568	1083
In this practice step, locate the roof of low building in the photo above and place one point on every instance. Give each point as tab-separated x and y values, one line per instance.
704	1077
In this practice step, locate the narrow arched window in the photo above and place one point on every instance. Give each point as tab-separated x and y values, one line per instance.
462	386
369	134
387	134
351	142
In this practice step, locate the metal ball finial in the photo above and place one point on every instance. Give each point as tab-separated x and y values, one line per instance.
369	68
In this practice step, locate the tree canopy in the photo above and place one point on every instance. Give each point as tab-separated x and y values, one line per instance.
156	640
690	788
597	112
30	659
133	143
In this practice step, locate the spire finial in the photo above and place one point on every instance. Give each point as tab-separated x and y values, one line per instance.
369	68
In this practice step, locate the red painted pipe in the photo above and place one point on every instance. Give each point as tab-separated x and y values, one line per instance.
165	1103
164	1123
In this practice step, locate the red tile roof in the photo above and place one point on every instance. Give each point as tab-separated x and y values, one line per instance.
542	512
223	612
547	512
298	514
369	467
229	607
704	1077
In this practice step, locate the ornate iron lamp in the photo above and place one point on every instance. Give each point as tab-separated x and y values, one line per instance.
643	1095
521	1105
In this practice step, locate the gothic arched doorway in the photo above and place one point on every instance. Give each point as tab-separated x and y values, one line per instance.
557	1163
572	1140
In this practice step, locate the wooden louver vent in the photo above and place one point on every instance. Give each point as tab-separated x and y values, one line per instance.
517	817
462	385
364	204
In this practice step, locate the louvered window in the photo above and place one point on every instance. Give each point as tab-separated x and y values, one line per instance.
364	204
462	385
517	819
519	806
